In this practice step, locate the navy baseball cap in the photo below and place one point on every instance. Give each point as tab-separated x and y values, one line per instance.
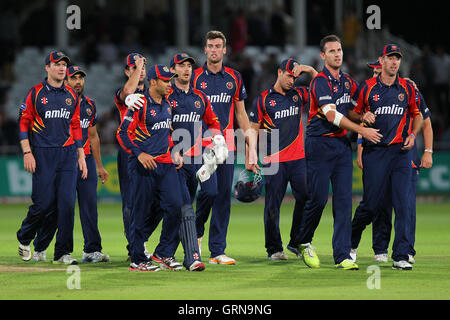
374	65
391	49
130	60
288	65
56	56
180	58
160	71
73	70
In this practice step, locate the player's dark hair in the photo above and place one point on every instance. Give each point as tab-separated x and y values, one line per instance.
329	38
214	34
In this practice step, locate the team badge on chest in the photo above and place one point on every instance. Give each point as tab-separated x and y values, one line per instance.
69	101
197	104
230	85
295	98
89	111
401	97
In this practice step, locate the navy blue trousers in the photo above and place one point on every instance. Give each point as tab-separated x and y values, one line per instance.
145	185
53	189
87	203
293	172
329	159
382	222
124	184
221	184
387	171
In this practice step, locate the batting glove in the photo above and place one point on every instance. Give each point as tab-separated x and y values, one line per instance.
208	168
135	101
220	148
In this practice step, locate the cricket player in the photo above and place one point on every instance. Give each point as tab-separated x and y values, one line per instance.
226	92
146	133
135	72
329	155
190	108
382	222
385	103
86	188
51	141
281	108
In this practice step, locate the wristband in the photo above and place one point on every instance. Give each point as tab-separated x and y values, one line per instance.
359	141
412	134
428	150
26	152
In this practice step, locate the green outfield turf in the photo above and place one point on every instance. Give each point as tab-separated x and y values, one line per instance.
253	277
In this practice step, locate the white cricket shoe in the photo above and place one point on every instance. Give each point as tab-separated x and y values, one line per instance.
382	258
24	252
353	254
66	259
402	265
95	257
411	259
278	256
222	259
39	256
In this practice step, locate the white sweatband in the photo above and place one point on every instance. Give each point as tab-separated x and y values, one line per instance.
328	108
337	118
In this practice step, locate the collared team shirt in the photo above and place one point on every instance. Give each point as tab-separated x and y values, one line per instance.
122	109
148	130
275	111
325	89
223	90
88	118
50	117
392	106
189	109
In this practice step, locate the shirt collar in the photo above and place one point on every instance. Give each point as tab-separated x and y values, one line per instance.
178	90
207	71
396	82
330	76
49	87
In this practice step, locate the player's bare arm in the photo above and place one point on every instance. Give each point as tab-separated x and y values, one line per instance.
416	126
95	147
250	139
29	163
302	68
338	119
82	163
134	77
427	158
254	129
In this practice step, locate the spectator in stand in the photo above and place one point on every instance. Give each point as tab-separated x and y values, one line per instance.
239	32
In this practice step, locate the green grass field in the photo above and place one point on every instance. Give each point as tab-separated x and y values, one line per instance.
254	277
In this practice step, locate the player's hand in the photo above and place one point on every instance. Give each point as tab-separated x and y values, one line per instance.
29	163
372	135
102	174
368	118
83	167
140	63
359	162
427	160
409	142
135	101
251	163
177	160
147	161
